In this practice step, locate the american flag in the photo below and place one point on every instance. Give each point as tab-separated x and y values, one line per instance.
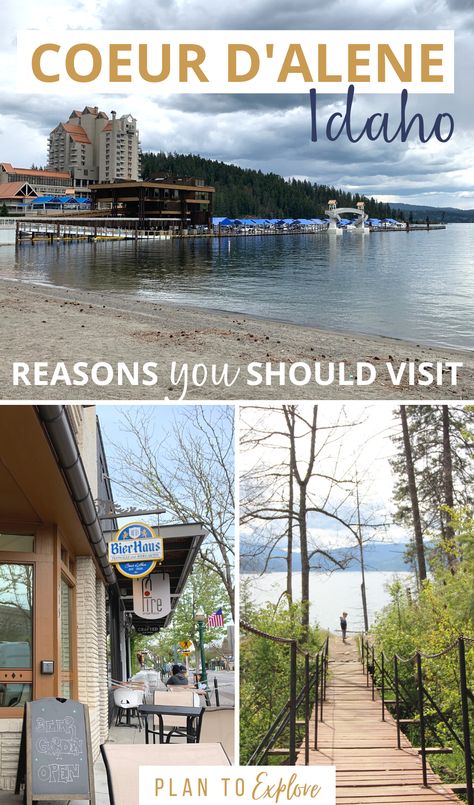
216	619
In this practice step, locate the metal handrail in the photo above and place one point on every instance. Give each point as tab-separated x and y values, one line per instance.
313	682
373	666
276	639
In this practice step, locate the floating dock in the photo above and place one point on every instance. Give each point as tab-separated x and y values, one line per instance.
111	229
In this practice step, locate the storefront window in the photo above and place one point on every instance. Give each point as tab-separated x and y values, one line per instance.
12	695
16	633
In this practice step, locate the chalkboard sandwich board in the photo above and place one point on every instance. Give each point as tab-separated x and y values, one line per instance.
56	746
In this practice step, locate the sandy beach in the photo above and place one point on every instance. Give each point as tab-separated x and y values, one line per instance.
52	325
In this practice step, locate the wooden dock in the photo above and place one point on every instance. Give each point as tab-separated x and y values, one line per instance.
370	770
105	228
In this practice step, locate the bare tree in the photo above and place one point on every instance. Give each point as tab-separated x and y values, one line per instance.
190	471
287	493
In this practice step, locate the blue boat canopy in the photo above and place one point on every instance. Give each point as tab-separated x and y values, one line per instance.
266	222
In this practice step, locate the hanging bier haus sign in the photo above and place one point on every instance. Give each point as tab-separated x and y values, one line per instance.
136	550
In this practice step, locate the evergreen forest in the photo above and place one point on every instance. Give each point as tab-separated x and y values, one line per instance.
242	192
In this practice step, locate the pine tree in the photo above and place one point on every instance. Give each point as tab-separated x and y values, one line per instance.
443	461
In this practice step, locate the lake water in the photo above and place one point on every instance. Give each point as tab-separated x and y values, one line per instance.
417	286
330	594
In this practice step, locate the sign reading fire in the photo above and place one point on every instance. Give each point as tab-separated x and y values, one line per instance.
151	596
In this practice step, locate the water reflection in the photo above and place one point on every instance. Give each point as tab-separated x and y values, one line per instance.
16	633
418	286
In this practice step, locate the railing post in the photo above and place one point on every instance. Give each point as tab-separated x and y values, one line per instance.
465	720
419	676
397	699
373	674
382	660
367	661
293	694
321	701
307	713
326	662
316	702
216	692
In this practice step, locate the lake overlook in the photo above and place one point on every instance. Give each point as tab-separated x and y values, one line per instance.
330	594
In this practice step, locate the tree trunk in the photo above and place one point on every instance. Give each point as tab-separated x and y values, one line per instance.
302	482
449	538
362	562
420	550
304	562
289	547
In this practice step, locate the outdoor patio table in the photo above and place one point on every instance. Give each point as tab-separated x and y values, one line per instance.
190	713
122	762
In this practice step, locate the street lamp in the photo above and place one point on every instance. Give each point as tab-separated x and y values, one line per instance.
200	619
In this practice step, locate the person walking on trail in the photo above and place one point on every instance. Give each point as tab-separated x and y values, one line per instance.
343	621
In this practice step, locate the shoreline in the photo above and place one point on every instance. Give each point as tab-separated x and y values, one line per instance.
127	303
46	323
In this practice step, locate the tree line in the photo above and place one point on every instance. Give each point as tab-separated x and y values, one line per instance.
434	480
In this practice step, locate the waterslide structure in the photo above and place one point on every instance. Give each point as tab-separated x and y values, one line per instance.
334	214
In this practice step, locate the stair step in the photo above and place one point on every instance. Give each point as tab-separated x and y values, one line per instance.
278	752
408	720
435	750
300	722
460	788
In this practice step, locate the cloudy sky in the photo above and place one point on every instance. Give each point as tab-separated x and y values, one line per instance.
266	132
360	445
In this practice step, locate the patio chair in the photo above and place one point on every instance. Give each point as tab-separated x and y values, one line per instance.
201	692
182	698
126	700
217	726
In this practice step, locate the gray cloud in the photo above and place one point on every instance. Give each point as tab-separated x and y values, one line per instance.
270	132
266	14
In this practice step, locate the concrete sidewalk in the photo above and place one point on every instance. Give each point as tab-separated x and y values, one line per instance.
123	735
130	735
101	791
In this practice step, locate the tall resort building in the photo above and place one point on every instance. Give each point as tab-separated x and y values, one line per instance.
95	148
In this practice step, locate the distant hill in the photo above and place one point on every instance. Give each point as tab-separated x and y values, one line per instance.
377	556
437	214
243	192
